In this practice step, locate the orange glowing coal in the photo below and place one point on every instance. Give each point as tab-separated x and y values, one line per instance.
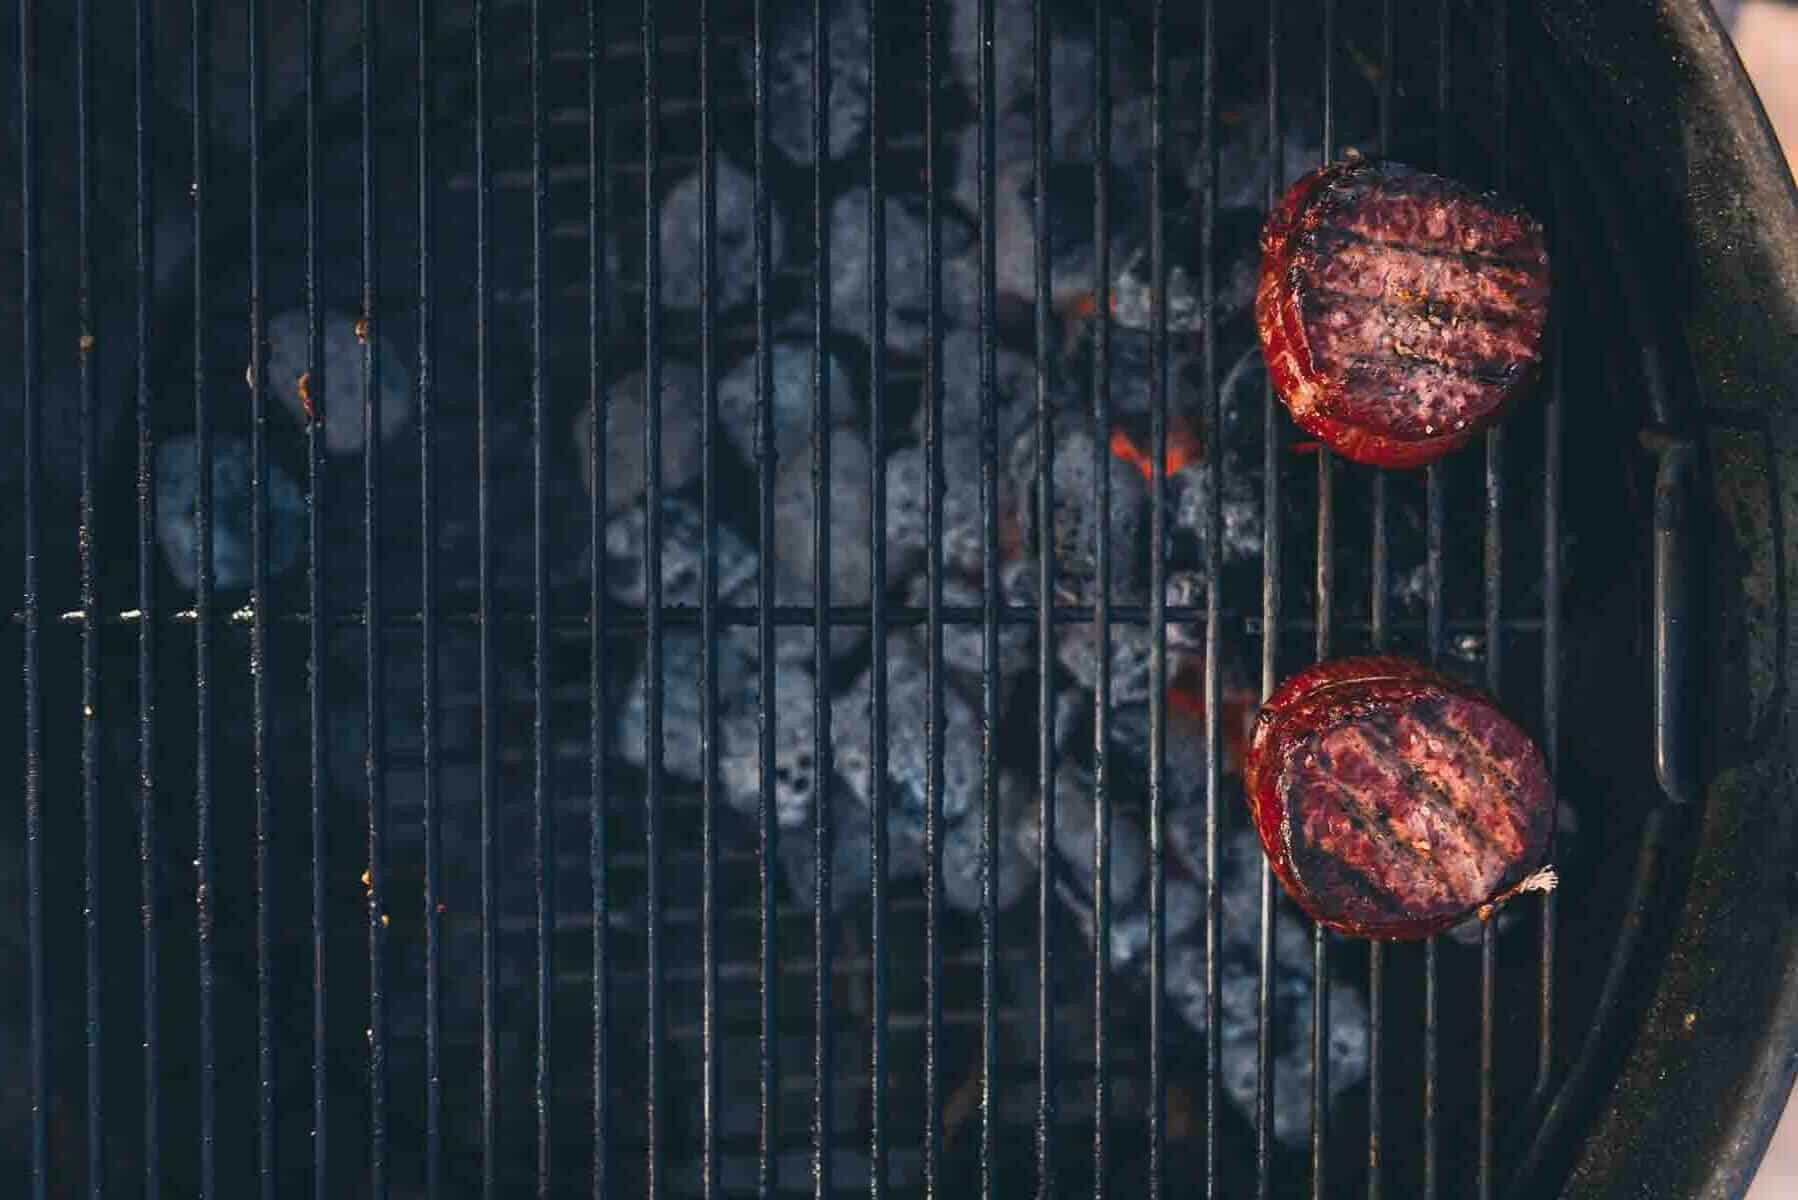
1236	716
1182	448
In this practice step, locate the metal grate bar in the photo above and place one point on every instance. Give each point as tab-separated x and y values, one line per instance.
1045	661
769	1166
1213	684
708	599
626	621
599	299
823	823
1485	1180
200	101
1158	390
1551	666
652	578
1101	401
1326	609
877	536
933	628
376	663
31	400
989	643
267	1109
1434	615
431	731
148	848
314	394
543	865
1271	606
90	649
1381	573
489	672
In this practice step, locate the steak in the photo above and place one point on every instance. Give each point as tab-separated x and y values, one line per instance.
1393	801
1400	312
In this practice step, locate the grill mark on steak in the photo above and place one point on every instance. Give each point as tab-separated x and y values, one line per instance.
1413	399
1365	232
1355	328
1384	731
1356	266
1390	204
1441	309
1371	776
1344	841
1425	736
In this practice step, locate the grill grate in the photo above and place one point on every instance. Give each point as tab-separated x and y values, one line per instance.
620	935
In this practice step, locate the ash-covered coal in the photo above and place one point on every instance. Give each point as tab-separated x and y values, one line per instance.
1189	514
683	249
682	402
1131	649
849	503
964	644
178	498
1240	864
1242	154
963	534
682	557
683	728
794	781
1013	392
1075	527
792	400
1234	274
790	60
908	743
1072	54
964	858
1076	833
906	317
337	404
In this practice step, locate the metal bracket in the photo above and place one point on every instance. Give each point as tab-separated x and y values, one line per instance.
1676	474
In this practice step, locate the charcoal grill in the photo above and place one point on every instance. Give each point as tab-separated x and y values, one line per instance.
338	879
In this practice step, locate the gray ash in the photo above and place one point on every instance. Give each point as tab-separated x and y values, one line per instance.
792	401
906	314
1072	51
177	500
1071	230
683	249
1014	393
964	645
795	777
964	864
682	398
1076	522
682	555
964	541
683	728
1240	864
790	59
850	506
340	413
1132	286
908	743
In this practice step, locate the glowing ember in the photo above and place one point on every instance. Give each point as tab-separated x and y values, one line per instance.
1182	447
1186	697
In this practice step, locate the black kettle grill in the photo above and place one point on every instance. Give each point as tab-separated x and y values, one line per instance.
418	798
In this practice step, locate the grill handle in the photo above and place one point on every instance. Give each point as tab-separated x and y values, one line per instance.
1675	475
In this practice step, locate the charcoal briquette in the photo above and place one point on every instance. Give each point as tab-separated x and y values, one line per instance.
792	400
178	497
682	400
683	249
